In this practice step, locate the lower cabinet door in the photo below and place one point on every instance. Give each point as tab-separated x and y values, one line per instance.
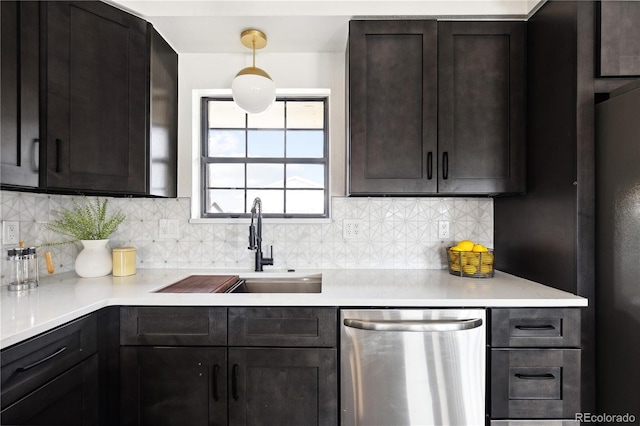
283	386
173	386
70	399
535	383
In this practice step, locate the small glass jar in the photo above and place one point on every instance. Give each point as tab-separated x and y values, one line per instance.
22	268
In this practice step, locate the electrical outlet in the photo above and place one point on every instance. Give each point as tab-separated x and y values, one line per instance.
351	229
443	229
10	232
168	229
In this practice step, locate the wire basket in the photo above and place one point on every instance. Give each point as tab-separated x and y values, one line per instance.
471	264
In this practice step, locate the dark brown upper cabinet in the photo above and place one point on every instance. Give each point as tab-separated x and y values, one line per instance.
436	108
481	107
618	38
20	121
393	118
105	132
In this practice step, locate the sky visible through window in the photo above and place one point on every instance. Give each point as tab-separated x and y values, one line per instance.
279	155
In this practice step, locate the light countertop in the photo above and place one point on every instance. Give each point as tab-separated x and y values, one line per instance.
65	297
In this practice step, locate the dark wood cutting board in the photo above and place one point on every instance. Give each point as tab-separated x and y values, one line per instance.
202	284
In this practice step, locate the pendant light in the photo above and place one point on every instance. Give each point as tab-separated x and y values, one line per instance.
253	89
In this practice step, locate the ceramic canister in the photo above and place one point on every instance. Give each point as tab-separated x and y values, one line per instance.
124	261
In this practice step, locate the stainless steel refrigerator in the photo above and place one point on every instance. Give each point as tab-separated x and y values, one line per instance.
618	252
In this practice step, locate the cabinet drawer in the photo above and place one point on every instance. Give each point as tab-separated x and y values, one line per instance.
535	327
69	399
530	422
313	327
535	383
30	364
173	326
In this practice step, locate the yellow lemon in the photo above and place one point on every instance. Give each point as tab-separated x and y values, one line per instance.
466	245
473	260
455	248
479	248
487	258
455	267
469	269
486	269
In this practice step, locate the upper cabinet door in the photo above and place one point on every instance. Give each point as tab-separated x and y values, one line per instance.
96	98
618	28
482	104
20	122
392	107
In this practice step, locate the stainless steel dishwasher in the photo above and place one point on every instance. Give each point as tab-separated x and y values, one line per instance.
412	367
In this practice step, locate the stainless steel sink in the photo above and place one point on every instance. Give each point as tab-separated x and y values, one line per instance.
307	284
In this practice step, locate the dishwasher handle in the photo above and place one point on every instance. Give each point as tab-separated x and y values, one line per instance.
414	325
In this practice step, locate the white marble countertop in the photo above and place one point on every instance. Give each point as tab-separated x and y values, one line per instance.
65	297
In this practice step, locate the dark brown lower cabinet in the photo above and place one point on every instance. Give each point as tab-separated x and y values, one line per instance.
193	385
535	366
68	400
283	386
271	365
173	386
535	383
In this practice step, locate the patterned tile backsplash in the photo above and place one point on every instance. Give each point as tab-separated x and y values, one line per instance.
398	233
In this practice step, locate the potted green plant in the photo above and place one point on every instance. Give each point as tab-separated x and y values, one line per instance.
89	224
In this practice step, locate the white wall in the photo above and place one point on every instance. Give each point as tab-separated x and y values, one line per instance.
201	72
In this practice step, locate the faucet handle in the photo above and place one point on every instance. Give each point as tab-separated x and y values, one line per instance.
269	260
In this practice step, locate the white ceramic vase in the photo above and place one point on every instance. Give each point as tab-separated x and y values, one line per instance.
94	260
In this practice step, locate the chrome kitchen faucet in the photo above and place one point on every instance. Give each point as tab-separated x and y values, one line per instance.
255	236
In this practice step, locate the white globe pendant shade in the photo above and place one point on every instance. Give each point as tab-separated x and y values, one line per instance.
253	90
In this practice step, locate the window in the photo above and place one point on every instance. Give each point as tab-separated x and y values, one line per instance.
280	155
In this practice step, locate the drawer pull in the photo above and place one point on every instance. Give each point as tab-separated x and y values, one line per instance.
45	359
216	368
535	327
547	376
234	382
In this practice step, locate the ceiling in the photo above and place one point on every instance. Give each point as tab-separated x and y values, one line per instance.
300	26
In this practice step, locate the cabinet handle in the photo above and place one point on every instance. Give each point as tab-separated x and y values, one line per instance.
234	382
445	165
58	143
547	376
214	382
43	360
415	325
535	327
429	165
35	155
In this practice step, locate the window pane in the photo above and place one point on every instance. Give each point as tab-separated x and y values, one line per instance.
273	118
272	201
226	114
303	201
305	115
225	201
265	175
305	144
226	175
248	155
226	143
305	176
266	143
